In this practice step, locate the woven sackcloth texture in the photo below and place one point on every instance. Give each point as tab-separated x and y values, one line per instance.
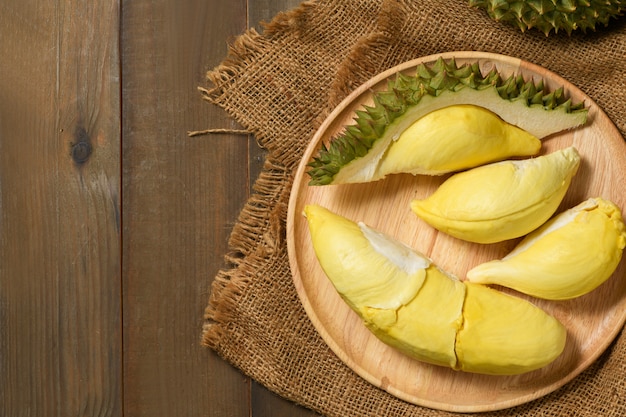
279	84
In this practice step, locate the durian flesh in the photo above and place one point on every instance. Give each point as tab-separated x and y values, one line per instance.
455	138
355	153
567	257
379	277
399	272
424	328
500	201
443	321
504	336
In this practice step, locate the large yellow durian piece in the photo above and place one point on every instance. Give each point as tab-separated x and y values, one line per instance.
567	257
412	305
500	201
504	335
379	277
456	138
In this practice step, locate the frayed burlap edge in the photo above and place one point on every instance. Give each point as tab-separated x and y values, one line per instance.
250	234
255	236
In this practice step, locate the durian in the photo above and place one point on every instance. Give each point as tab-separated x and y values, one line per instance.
553	15
410	304
456	138
354	155
505	335
567	257
500	201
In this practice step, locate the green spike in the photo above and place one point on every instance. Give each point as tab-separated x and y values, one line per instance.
553	15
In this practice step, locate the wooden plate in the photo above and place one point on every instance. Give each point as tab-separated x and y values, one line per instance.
593	321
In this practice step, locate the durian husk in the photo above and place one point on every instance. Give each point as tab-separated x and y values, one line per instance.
354	154
550	16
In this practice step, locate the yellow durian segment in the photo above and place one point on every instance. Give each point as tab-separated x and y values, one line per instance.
505	335
402	298
569	256
426	327
456	138
366	267
500	201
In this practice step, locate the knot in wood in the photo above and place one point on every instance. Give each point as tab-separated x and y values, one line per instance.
81	152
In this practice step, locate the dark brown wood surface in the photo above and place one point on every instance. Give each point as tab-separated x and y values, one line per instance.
113	221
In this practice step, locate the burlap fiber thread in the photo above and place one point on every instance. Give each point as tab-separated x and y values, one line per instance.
280	84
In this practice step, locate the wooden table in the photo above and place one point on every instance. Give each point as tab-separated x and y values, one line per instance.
113	221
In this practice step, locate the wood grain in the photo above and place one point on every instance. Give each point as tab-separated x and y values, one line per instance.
94	322
60	310
592	320
181	196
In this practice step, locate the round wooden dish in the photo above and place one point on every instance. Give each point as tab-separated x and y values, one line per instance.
593	321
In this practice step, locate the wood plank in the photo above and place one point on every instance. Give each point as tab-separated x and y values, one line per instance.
181	197
60	312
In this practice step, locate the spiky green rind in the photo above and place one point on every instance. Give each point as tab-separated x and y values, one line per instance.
549	15
374	124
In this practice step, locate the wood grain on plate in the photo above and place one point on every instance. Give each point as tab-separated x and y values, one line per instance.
592	321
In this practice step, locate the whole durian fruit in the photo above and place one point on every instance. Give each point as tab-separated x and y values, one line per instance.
548	15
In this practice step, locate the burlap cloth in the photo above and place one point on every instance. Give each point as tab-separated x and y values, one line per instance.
279	84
